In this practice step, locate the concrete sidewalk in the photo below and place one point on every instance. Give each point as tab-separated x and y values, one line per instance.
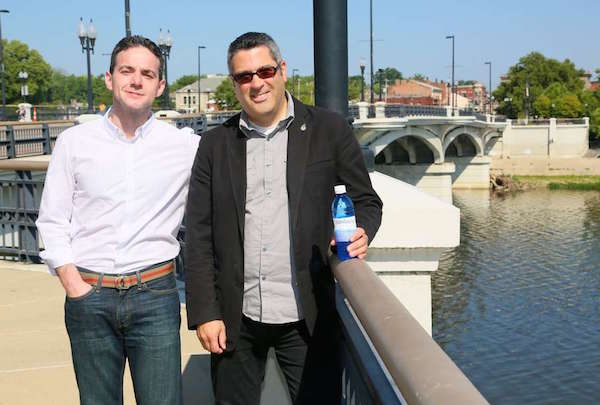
35	356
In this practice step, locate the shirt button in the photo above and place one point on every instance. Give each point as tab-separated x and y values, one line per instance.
264	249
264	278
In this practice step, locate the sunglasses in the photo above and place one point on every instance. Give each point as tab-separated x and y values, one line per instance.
266	72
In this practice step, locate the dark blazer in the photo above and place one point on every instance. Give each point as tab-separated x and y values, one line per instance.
322	152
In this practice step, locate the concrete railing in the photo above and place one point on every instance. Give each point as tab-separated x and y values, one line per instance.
419	371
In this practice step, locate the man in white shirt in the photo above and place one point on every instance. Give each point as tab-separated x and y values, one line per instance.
112	205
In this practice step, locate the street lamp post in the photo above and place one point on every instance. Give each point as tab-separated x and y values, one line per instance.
23	75
199	75
362	79
380	77
490	88
452	90
88	39
371	40
2	68
165	42
189	97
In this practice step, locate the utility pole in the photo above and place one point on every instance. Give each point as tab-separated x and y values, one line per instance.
489	88
453	89
371	40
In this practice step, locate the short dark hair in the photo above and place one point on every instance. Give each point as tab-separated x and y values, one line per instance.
251	40
132	42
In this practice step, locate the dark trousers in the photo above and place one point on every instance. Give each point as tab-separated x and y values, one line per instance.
311	364
141	324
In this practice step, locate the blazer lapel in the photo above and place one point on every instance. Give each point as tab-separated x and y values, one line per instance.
299	134
236	154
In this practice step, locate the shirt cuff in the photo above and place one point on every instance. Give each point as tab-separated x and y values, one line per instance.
56	259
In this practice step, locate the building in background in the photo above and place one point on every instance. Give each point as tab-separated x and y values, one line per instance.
475	92
187	100
423	92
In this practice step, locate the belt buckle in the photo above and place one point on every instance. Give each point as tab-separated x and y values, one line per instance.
120	283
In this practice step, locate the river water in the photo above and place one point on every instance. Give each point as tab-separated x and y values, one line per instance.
517	304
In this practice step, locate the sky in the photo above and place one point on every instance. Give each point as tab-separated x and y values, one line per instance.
408	35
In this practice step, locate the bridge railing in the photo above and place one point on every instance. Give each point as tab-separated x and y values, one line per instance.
18	139
22	139
388	357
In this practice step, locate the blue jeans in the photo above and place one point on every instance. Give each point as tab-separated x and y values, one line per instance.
141	324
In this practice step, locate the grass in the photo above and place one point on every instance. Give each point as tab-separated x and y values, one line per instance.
561	182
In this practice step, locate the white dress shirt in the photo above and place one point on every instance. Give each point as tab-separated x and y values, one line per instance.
112	204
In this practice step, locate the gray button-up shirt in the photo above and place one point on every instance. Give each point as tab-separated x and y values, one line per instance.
270	292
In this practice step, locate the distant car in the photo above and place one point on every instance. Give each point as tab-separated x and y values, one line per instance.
167	114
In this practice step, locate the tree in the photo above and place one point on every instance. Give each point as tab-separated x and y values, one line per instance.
183	81
225	96
354	84
418	76
539	73
18	56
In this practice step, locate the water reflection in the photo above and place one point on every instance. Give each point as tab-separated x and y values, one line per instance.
517	304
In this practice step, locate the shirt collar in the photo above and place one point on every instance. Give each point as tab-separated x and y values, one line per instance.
284	123
141	132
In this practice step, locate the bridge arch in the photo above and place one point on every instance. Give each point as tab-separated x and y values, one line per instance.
431	141
470	133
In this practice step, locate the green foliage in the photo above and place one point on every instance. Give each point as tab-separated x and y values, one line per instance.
225	96
303	88
418	76
18	56
354	84
595	122
183	81
555	90
465	82
543	76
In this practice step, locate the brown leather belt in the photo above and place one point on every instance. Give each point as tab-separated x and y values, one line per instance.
126	281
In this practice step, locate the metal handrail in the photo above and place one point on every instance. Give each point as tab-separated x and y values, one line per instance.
423	373
24	165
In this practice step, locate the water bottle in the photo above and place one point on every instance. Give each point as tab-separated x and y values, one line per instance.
344	221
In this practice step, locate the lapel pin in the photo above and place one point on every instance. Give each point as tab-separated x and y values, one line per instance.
303	127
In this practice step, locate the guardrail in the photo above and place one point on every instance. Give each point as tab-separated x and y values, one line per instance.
389	358
19	139
21	184
22	139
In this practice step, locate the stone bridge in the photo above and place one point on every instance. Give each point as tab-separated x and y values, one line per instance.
434	153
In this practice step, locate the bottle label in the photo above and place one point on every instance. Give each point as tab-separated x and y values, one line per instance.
344	228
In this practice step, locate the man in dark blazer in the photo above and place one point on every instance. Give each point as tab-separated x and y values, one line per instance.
259	229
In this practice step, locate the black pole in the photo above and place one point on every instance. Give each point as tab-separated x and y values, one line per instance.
127	14
362	82
453	88
380	74
166	94
90	95
330	22
371	41
199	86
490	90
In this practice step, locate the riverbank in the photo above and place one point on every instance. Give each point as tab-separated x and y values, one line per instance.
545	166
557	182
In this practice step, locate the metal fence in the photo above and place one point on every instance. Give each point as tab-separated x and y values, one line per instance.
401	110
29	139
18	139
